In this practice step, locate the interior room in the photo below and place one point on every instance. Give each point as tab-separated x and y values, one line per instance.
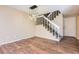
39	29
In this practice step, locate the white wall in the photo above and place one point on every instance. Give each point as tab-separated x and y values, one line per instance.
14	25
70	26
44	33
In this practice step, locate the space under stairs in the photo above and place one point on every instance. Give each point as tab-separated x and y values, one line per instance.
46	23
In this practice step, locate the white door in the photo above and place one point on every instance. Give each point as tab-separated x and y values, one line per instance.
70	26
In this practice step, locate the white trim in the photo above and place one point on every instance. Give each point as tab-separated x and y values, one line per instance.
49	14
15	40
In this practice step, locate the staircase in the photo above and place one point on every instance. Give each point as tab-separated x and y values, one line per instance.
52	15
47	21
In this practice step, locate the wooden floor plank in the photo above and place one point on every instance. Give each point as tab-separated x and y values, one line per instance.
38	45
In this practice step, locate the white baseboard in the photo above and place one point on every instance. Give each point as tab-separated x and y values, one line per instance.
14	40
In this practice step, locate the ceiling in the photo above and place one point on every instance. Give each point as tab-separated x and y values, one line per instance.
67	10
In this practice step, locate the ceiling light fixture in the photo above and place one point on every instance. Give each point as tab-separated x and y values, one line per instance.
33	7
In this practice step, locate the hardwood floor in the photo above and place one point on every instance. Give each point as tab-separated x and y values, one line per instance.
38	45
